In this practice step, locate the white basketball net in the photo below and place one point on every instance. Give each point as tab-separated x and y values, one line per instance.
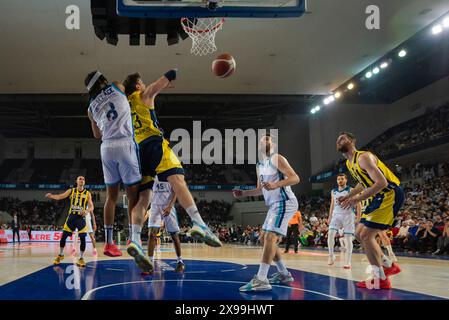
202	32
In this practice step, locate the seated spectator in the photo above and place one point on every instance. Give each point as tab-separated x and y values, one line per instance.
443	241
439	223
428	237
401	236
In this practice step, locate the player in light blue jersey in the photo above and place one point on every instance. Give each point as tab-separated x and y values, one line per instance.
342	218
275	177
110	116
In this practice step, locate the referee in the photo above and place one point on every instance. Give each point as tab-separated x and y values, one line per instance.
293	232
15	228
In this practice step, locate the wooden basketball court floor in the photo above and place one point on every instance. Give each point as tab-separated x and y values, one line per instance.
26	272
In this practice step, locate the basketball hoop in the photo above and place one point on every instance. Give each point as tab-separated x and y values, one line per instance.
202	32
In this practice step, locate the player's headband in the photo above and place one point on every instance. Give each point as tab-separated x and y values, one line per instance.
93	80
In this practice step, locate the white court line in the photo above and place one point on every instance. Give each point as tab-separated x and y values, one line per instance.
87	295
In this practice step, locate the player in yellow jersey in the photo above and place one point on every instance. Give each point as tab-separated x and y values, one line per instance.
80	205
378	185
157	158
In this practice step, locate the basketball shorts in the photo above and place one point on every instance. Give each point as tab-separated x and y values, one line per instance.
278	216
120	162
345	221
157	158
382	209
75	222
170	222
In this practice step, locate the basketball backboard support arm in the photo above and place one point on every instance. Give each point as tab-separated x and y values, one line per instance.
197	9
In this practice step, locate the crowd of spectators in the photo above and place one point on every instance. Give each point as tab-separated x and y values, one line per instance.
34	214
422	226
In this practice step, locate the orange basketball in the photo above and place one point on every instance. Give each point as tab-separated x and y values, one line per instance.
224	65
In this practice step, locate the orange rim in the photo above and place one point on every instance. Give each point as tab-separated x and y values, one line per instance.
188	29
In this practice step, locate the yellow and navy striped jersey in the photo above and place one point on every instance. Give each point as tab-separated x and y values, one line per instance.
144	119
78	201
362	177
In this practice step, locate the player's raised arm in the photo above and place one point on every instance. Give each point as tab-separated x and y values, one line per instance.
152	90
59	196
95	130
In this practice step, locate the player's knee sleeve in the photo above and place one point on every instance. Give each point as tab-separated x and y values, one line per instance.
82	241
64	237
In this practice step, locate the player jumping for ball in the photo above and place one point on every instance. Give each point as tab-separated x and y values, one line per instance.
340	218
385	198
275	177
157	158
81	205
110	118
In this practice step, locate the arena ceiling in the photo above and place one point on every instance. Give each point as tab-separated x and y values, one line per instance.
310	55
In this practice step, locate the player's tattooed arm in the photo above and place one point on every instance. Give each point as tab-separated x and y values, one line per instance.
358	209
283	166
354	191
95	130
368	162
58	196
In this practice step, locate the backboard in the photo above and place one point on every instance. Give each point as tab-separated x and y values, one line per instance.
203	8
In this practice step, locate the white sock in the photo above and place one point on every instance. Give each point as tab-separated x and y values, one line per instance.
386	262
281	267
390	250
263	271
81	254
331	241
108	230
135	233
348	248
130	231
194	214
61	251
378	272
179	259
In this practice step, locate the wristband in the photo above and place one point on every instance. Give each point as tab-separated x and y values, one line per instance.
171	75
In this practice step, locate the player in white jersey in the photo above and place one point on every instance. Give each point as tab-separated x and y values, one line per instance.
110	116
340	218
163	211
274	178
